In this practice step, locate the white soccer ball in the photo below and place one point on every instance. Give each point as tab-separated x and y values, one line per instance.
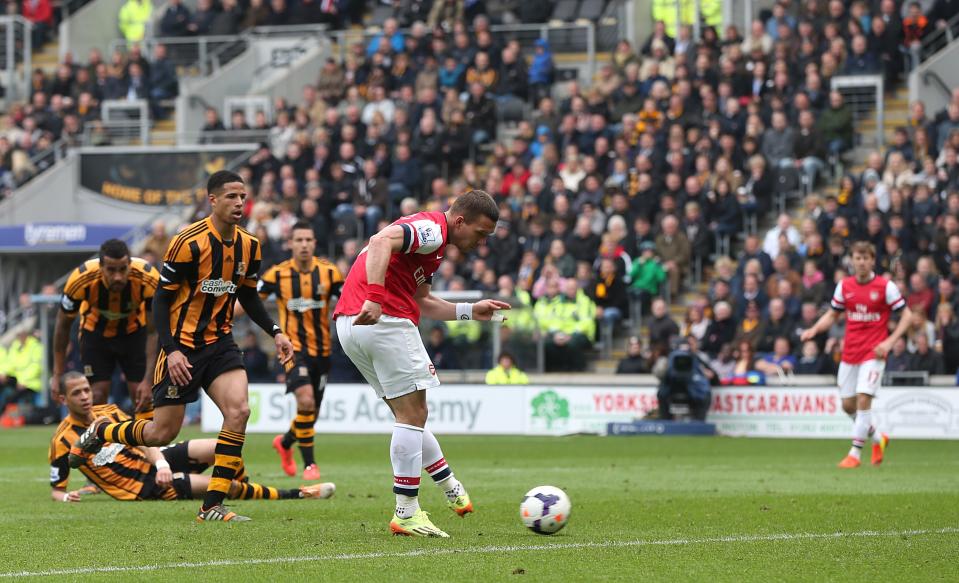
545	509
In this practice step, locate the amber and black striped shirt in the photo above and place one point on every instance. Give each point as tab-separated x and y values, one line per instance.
303	300
205	272
107	313
119	470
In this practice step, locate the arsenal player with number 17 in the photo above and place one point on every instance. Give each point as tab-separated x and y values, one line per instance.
867	300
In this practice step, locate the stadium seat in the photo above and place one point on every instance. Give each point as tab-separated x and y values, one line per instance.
788	185
379	14
565	10
591	10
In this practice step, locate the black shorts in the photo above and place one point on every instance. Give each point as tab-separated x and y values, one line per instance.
100	356
182	466
208	363
308	370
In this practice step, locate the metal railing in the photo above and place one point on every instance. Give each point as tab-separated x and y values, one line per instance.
16	56
938	38
195	55
563	38
250	105
203	55
211	137
126	121
864	96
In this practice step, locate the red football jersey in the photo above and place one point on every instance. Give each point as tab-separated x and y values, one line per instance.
424	243
867	306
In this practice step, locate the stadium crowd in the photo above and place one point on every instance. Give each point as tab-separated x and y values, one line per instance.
619	194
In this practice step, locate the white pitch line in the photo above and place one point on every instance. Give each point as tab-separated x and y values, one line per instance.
748	538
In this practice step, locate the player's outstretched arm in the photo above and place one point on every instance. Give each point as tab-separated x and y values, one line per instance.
436	308
253	305
824	323
60	495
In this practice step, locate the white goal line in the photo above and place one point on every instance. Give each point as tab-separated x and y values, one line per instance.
748	538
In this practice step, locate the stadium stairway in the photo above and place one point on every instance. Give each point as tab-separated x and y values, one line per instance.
163	132
48	58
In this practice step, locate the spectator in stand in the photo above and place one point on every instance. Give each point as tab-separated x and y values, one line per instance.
658	34
811	361
696	323
779	142
134	17
914	26
780	359
784	226
202	19
836	125
777	324
20	380
920	298
745	363
506	372
750	327
662	328
919	326
609	293
137	86
634	362
925	359
810	150
947	337
646	276
541	71
257	14
480	114
566	319
158	240
441	351
899	359
212	125
255	361
40	15
226	21
673	248
163	82
861	61
175	19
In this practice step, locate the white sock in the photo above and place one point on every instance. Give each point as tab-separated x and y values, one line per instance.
860	432
406	454
874	431
435	465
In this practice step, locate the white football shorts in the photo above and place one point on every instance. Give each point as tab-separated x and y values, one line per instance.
389	354
865	378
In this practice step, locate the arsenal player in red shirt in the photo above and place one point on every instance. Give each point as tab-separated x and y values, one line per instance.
867	300
387	289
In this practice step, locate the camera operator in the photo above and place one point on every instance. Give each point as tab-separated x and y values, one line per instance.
687	378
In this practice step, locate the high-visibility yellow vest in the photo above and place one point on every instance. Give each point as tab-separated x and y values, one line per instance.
710	11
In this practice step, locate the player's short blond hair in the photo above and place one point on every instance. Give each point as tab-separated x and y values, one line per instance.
863	248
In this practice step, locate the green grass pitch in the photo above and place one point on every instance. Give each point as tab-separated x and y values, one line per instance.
665	509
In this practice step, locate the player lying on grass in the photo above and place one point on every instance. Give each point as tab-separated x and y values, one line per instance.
145	473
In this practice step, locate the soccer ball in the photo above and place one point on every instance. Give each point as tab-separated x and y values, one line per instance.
545	509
